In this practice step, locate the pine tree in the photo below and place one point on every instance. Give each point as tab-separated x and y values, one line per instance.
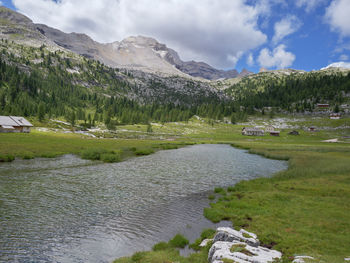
41	111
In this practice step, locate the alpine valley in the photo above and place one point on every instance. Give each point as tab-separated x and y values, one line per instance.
108	148
139	79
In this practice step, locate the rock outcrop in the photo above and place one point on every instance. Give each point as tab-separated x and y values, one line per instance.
239	247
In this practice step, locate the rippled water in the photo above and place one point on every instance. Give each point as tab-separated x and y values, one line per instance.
72	210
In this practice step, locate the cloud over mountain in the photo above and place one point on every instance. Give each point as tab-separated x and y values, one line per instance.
277	58
337	15
195	30
285	27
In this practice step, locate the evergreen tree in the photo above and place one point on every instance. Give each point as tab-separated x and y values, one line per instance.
41	111
149	128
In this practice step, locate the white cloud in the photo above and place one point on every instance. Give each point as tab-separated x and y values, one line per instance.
250	59
278	58
285	27
340	64
218	32
337	15
309	5
344	57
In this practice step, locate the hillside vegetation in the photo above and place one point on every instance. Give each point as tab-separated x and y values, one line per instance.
291	90
44	83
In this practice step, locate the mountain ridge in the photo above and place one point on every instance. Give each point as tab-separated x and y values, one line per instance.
135	52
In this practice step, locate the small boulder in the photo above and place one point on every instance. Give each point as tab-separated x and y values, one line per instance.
300	259
229	234
241	252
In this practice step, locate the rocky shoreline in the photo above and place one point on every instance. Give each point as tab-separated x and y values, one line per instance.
229	245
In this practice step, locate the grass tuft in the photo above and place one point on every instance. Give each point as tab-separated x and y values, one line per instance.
6	158
161	246
179	241
101	155
144	151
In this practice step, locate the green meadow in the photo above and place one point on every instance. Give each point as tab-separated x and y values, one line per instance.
304	210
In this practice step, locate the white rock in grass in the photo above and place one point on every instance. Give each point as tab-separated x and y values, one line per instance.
229	234
205	242
244	253
300	259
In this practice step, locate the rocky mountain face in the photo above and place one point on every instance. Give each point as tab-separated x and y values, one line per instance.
37	48
135	53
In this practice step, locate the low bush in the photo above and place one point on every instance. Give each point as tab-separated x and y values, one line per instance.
160	246
28	156
231	189
178	241
145	151
138	256
92	154
110	157
219	190
211	197
207	233
169	147
6	158
101	155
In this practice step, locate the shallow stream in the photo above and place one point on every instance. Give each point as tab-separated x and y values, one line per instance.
71	210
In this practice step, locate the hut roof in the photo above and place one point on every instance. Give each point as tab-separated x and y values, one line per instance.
252	129
13	121
21	121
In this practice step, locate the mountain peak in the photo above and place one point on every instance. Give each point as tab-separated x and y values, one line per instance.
134	52
262	69
13	16
245	72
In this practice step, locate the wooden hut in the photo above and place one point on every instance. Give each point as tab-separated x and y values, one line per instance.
294	132
334	116
14	124
252	131
275	133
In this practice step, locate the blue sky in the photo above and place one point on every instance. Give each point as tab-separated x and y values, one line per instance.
300	34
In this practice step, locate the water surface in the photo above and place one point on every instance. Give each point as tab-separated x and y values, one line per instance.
71	210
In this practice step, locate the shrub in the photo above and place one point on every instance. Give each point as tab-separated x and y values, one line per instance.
101	154
211	197
28	156
178	241
160	246
219	190
169	147
6	158
110	157
138	256
49	155
195	246
207	233
92	154
145	151
231	189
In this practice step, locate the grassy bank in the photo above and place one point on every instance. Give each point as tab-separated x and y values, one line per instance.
50	144
303	210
